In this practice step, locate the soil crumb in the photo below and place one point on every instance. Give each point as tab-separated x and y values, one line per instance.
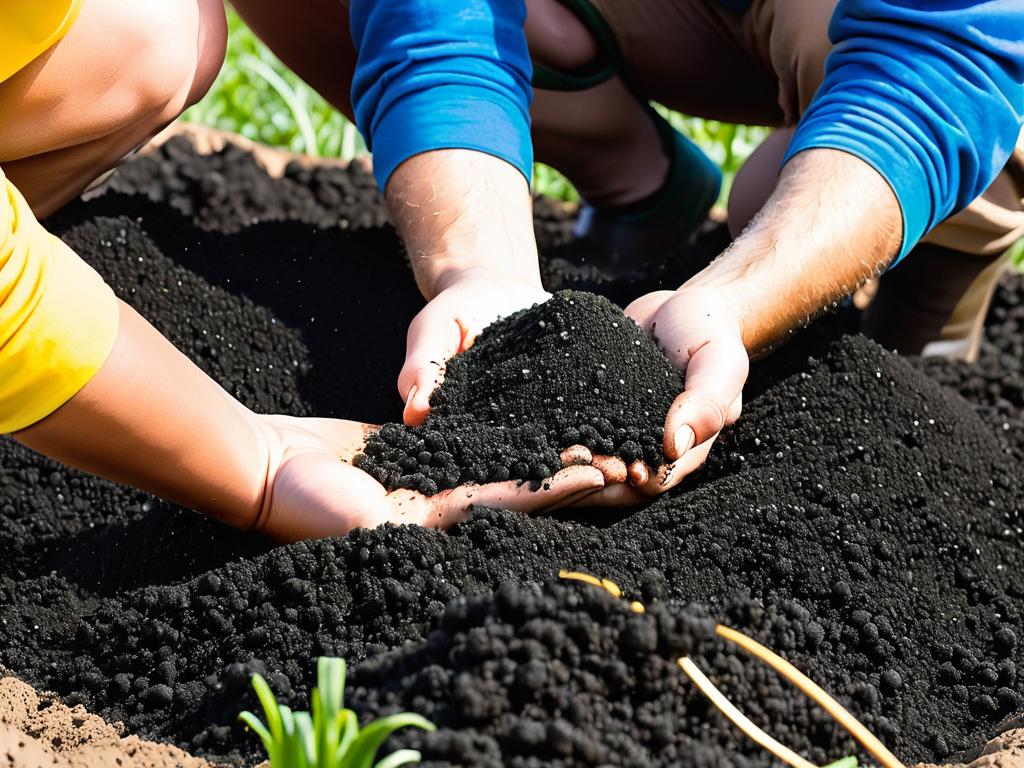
571	371
38	731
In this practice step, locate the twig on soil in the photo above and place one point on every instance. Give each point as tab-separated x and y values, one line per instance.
812	690
741	721
809	688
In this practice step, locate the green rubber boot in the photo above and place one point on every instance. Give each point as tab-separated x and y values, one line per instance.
631	244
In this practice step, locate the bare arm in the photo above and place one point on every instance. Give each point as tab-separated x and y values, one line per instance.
458	210
832	223
466	219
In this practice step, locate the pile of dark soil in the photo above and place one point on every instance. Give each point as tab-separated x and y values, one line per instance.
995	385
571	371
862	519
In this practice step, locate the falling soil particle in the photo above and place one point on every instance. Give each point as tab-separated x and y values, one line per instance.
862	519
571	371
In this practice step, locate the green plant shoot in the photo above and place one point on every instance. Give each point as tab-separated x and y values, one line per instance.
330	736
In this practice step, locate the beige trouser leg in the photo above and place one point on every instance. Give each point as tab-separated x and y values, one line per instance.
124	70
763	67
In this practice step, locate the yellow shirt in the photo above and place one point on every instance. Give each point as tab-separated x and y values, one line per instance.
58	319
29	27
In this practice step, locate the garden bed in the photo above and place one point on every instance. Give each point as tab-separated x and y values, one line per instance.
862	519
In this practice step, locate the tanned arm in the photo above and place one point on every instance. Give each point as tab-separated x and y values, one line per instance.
832	223
466	219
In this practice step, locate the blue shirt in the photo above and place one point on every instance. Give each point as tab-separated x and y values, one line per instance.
928	92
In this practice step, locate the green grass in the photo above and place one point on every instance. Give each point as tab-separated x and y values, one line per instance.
330	735
1017	254
256	96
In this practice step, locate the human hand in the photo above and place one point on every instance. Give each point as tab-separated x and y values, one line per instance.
701	335
450	323
314	491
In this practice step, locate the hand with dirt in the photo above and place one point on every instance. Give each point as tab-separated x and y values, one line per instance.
152	419
701	337
449	324
313	490
813	243
466	220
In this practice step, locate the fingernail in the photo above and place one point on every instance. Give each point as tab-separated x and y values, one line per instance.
683	440
412	393
672	476
638	473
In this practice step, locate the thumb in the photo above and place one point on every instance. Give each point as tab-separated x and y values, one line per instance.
643	309
715	376
434	336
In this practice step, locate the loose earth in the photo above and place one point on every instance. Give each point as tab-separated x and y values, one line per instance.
571	371
862	519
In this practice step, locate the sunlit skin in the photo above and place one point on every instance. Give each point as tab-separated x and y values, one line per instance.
831	224
466	219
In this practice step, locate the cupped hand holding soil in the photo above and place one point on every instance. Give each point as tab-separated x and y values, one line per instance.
449	324
700	335
569	381
315	491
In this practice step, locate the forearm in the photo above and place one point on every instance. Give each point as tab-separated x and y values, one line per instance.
152	419
832	223
462	211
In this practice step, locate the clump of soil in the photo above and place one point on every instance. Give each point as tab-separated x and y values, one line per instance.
565	675
38	731
571	371
861	519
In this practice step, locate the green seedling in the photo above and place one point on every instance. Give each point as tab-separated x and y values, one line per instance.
849	761
330	737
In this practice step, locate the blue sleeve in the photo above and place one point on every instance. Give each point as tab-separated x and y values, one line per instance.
435	74
928	92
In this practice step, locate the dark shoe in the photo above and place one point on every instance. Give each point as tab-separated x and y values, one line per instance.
634	243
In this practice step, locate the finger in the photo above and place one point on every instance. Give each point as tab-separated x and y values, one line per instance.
681	468
577	499
642	310
417	405
576	454
668	476
521	497
434	336
612	467
613	496
413	508
638	473
715	376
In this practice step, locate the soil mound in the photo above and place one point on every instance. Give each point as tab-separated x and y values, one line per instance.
862	519
573	370
38	731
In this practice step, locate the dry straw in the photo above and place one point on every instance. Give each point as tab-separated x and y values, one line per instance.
812	690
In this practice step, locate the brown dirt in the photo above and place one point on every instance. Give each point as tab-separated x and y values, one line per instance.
1006	751
37	730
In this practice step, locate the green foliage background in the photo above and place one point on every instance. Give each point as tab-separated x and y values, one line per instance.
256	96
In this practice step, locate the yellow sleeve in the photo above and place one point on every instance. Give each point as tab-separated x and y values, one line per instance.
58	319
29	27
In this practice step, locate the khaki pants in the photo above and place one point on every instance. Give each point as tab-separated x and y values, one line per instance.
763	67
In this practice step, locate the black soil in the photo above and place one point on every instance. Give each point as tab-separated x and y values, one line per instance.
571	371
862	519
